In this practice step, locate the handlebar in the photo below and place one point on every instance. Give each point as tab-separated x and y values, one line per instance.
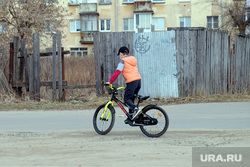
113	88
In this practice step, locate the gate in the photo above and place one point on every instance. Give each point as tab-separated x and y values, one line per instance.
155	53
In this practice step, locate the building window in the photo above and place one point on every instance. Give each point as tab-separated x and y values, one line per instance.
76	2
89	22
50	26
128	24
248	13
185	21
78	52
128	1
3	27
143	20
158	0
50	2
105	1
212	22
159	23
75	26
2	3
105	25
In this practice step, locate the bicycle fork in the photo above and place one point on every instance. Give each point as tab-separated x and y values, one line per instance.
105	110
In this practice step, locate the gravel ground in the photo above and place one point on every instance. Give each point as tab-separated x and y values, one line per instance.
118	148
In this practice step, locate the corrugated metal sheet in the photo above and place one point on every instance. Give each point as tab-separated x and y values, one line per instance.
155	53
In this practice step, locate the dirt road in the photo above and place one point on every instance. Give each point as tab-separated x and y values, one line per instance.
122	147
118	149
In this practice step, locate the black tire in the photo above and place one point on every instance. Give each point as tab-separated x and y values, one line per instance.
103	126
161	127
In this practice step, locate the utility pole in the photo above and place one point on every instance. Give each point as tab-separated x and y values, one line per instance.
221	12
116	15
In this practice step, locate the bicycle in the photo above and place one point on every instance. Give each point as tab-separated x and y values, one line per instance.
153	121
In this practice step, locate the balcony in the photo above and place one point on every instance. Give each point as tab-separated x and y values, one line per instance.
87	37
143	6
88	8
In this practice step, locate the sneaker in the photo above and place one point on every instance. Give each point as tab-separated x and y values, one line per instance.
126	121
137	112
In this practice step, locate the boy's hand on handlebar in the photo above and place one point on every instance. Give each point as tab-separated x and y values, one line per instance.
107	83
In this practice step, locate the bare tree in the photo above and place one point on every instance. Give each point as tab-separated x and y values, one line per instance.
235	16
22	18
25	17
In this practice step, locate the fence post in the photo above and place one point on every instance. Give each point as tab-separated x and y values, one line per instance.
15	64
63	75
21	67
11	63
26	69
98	66
59	51
36	66
54	69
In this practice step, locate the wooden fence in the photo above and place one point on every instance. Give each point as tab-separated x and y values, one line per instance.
29	64
203	58
106	59
240	68
204	62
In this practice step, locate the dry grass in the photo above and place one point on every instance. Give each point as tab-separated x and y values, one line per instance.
87	102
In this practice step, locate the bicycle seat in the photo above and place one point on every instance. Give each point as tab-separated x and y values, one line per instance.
141	98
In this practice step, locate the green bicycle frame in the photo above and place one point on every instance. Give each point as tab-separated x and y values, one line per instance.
110	102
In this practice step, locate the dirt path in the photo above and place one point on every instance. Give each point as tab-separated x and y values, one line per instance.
117	149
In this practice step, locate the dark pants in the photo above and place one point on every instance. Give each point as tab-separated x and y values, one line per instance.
132	89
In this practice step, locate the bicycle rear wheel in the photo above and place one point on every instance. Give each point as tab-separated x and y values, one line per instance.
158	115
103	122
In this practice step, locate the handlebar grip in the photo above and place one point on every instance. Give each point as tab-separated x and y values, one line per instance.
111	87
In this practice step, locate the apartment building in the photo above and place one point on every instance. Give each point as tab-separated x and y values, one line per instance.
91	16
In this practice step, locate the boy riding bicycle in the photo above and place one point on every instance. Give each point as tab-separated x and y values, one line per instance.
128	67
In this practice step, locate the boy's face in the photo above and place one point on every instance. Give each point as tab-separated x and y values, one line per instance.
121	55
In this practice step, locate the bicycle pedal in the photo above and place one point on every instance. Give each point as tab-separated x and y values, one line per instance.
121	115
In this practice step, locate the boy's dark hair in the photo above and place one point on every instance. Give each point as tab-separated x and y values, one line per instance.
124	50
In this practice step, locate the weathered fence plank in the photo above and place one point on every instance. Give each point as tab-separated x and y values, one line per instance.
26	70
97	63
15	60
59	46
21	67
31	78
11	63
186	63
54	68
192	61
36	66
201	51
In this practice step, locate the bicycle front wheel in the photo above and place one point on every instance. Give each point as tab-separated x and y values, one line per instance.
103	121
159	116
